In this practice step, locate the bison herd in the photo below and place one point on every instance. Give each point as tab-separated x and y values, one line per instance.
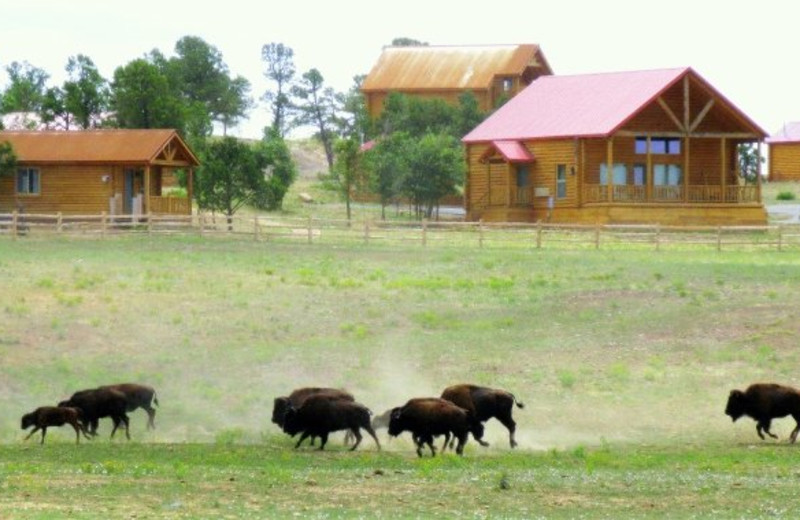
315	413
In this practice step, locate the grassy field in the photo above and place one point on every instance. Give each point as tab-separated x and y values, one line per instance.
623	359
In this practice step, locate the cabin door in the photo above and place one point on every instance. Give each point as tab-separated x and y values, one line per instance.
132	187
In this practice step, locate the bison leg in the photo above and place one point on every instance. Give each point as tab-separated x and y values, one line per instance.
44	432
764	425
371	431
793	436
78	430
151	415
36	429
323	439
358	437
509	423
300	441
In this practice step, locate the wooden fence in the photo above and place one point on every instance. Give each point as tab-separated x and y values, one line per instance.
783	237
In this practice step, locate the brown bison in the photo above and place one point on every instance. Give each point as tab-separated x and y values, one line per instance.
319	415
764	402
97	403
298	397
45	416
485	403
138	396
428	417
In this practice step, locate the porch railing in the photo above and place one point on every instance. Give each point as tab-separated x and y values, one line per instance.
598	193
169	205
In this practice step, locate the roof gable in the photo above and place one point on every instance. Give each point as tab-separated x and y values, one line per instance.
450	67
591	105
789	133
146	146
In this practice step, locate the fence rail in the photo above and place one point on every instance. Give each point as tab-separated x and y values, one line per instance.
781	237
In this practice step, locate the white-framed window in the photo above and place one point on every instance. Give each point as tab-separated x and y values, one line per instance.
508	84
28	181
561	181
620	174
667	174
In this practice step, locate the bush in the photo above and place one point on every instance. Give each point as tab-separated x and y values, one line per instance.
786	195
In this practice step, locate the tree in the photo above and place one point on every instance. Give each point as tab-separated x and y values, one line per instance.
354	120
347	175
279	60
281	170
8	159
234	103
231	176
141	97
388	165
318	106
53	111
435	168
85	91
469	114
749	161
26	88
408	42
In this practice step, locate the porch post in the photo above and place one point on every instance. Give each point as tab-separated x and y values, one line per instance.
610	169
724	172
758	174
146	201
581	172
686	147
649	173
509	180
190	188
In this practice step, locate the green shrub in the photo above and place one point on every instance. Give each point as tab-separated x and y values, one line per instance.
785	195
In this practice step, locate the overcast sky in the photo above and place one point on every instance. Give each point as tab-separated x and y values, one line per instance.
747	51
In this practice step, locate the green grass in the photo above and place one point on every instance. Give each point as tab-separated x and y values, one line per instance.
624	360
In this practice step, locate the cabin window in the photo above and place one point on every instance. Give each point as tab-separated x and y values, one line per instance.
523	177
667	174
639	174
658	146
561	181
508	83
620	174
28	181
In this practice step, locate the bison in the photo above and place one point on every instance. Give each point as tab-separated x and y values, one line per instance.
97	403
319	415
485	403
428	417
45	416
138	396
299	396
764	402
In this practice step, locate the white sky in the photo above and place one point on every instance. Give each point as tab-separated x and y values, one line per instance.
747	51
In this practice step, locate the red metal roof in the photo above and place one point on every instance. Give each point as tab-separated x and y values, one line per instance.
96	146
513	151
590	105
790	133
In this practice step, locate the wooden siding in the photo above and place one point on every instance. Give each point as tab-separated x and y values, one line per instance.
66	189
784	162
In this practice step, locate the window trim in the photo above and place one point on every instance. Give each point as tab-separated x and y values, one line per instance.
561	181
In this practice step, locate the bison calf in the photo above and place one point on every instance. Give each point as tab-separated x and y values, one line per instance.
46	416
320	415
98	403
428	417
764	402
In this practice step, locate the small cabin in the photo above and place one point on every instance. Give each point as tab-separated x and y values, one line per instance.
493	73
120	172
784	153
658	146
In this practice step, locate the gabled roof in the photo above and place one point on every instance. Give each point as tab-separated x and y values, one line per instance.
99	146
589	105
451	67
790	133
511	151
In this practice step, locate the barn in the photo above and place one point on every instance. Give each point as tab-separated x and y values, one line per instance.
784	153
493	73
120	172
654	146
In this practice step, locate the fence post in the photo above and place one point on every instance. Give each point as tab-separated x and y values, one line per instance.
424	232
59	223
719	238
201	221
480	233
780	238
149	223
14	224
366	231
102	224
658	237
597	236
539	234
255	228
310	232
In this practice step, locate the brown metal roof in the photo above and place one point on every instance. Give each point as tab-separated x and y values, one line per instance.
99	146
451	67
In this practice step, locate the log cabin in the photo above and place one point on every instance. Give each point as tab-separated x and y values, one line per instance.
120	172
656	146
784	153
493	73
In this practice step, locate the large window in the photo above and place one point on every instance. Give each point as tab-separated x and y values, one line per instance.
523	179
659	145
667	174
28	181
620	174
561	181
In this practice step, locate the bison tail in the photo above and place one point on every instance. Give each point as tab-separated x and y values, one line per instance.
155	399
519	404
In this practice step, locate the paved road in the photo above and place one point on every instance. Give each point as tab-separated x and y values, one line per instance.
786	213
